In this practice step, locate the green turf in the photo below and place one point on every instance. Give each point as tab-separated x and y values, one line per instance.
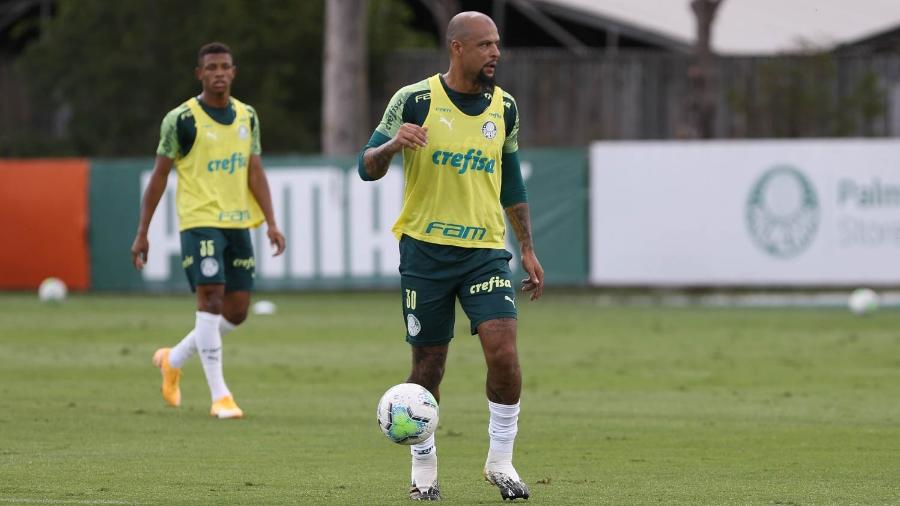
621	405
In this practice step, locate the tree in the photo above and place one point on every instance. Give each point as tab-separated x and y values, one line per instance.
442	11
115	68
702	105
103	74
345	88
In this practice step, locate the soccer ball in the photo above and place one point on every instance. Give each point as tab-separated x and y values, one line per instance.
863	301
407	414
264	307
52	290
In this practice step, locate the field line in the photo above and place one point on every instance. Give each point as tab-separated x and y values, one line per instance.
23	500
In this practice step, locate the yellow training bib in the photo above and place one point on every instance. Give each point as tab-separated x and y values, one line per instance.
213	189
452	193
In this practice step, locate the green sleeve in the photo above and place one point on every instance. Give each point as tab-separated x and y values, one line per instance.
512	186
255	145
169	146
511	117
397	110
400	110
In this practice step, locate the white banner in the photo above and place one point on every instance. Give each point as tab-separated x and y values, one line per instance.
732	213
336	224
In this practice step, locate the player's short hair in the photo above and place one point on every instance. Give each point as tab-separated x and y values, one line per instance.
212	48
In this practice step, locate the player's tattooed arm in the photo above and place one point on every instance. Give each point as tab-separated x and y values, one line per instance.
378	160
520	219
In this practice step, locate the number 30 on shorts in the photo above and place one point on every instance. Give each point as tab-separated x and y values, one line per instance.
410	299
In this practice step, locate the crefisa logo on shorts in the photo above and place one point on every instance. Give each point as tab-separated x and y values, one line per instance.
782	212
489	285
412	325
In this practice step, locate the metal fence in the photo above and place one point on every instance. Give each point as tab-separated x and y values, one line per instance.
569	100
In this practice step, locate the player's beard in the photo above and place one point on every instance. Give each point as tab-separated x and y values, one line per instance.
485	81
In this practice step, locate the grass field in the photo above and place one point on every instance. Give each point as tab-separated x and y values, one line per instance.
621	405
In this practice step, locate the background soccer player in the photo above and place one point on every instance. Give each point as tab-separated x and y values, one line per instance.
213	142
458	135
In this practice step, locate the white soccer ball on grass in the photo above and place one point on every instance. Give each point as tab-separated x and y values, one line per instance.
407	414
863	301
52	290
264	307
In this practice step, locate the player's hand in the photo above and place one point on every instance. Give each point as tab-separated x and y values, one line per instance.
534	283
139	250
276	239
411	136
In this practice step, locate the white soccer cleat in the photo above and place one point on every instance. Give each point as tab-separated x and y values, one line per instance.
499	472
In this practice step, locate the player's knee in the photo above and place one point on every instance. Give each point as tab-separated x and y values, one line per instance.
210	301
236	316
428	366
428	377
428	374
503	358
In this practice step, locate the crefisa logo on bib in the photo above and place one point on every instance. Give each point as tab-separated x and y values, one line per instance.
782	212
489	129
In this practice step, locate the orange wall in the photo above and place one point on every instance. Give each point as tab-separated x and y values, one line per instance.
44	222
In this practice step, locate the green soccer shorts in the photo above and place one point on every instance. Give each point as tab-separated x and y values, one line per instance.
433	276
212	256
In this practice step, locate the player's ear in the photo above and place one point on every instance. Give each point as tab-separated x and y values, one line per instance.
198	72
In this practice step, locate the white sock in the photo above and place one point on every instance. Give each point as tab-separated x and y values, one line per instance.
209	345
225	326
502	429
503	426
424	463
185	349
